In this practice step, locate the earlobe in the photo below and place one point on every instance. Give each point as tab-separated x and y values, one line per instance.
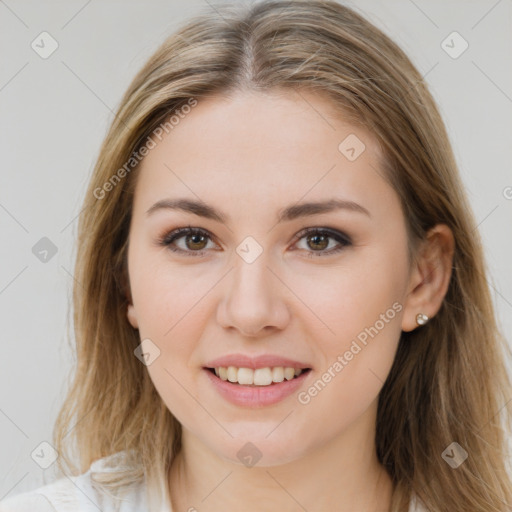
430	278
132	317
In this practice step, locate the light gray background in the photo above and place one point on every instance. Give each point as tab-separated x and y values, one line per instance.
54	115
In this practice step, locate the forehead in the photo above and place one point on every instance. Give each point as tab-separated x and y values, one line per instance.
262	147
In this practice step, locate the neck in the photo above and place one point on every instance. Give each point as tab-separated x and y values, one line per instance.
343	475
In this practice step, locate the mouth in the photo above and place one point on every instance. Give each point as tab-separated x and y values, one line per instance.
256	388
255	381
259	377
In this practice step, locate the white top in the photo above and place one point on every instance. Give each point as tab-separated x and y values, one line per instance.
77	494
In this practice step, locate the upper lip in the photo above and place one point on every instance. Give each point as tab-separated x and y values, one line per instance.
262	361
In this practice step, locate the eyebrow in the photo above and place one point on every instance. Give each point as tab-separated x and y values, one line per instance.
287	214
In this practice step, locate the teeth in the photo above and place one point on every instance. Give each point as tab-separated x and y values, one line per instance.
258	377
278	374
262	376
245	376
232	374
289	373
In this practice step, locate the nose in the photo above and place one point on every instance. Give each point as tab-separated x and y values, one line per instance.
254	299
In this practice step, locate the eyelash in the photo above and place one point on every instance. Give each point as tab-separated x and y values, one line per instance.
340	237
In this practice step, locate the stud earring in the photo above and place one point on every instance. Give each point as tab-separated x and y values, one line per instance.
421	319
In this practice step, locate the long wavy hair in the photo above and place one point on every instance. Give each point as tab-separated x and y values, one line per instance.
449	381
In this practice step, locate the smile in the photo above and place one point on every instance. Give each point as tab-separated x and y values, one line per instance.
257	377
256	395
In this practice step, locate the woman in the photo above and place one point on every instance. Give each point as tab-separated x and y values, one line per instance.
282	302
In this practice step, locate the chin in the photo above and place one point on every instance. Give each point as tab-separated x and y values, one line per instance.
258	451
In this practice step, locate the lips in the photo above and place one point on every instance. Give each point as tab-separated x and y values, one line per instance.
254	362
256	381
250	396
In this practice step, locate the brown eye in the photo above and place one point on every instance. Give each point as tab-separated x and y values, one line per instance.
194	243
317	240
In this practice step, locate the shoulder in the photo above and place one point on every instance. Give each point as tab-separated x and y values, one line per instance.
78	494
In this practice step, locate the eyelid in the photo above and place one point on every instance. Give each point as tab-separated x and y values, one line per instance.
332	232
341	238
175	234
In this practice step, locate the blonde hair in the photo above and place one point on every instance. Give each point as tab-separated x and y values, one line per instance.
448	381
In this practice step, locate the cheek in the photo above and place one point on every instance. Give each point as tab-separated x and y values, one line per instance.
170	313
164	295
357	357
364	290
360	305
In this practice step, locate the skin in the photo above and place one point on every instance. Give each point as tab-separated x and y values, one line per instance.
250	155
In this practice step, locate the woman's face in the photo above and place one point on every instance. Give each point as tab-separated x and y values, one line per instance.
255	286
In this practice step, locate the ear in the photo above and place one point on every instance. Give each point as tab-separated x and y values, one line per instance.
130	309
123	282
132	316
430	276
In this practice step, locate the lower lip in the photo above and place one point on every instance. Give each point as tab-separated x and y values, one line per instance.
256	396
